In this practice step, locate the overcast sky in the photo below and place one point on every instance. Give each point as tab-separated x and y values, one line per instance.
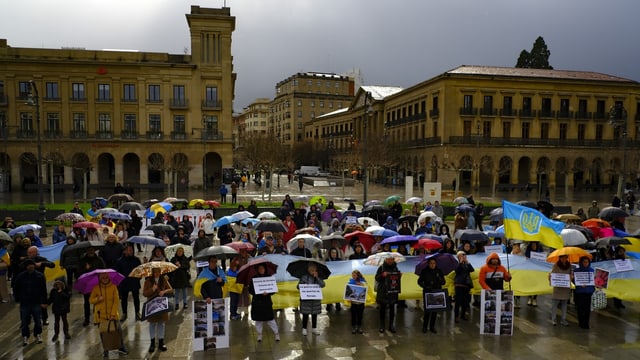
393	42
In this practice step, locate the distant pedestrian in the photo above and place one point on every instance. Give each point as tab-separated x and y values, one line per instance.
234	192
223	193
300	182
59	299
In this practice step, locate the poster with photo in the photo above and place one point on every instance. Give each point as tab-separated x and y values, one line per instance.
355	293
496	312
437	300
601	278
210	330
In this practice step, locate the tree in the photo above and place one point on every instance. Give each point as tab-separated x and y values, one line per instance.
537	58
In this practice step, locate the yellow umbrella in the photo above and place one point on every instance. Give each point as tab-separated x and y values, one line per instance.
574	254
195	202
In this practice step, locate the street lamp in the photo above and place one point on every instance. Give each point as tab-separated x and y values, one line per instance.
477	186
618	119
365	177
34	100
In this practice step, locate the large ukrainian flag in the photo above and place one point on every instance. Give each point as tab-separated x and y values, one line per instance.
52	253
523	223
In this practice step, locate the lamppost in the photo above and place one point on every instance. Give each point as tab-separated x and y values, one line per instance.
477	185
618	119
34	100
365	177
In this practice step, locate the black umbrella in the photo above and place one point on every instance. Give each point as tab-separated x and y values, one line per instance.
156	228
327	240
221	252
411	219
82	246
374	208
528	204
445	262
131	205
611	213
496	214
271	225
586	232
297	268
611	241
148	203
471	235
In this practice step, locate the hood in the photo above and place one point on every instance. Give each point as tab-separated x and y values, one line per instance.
580	263
389	218
493	256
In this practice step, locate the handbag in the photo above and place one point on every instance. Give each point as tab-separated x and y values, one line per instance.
110	334
598	300
155	306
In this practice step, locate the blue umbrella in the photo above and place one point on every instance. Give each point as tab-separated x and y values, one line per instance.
253	221
117	216
100	201
147	240
385	233
396	239
465	208
225	220
24	228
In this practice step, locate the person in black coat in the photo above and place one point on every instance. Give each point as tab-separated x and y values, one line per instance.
59	298
463	285
387	286
135	227
111	252
262	306
124	266
301	250
180	277
30	290
431	278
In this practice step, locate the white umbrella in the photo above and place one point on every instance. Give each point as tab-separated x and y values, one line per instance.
461	200
106	210
310	242
266	215
241	215
414	200
170	251
572	237
429	214
370	220
373	228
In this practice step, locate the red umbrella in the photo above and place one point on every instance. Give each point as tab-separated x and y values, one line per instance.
86	225
366	240
212	203
428	244
249	271
241	245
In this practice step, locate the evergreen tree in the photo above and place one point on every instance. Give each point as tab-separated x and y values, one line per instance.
538	58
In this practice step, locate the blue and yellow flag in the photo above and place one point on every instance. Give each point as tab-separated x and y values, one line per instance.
523	223
52	253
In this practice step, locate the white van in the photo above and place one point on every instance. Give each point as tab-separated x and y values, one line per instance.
310	170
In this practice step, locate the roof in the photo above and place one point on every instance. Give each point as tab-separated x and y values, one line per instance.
381	92
535	73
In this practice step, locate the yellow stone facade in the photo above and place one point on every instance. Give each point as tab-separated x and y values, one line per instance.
115	116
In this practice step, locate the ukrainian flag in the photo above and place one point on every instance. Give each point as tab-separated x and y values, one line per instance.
523	223
52	253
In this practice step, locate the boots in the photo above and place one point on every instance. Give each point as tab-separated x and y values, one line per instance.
534	302
152	347
161	345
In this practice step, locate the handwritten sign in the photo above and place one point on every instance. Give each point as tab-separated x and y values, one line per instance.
623	265
493	249
310	292
263	285
539	256
560	280
583	278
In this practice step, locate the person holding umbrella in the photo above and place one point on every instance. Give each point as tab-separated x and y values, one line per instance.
310	307
262	306
212	288
463	285
104	298
124	266
386	295
301	250
431	278
69	261
154	286
89	262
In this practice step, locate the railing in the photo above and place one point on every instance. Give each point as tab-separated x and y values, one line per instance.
104	100
52	134
178	135
52	99
407	120
211	135
25	134
4	100
179	104
129	100
584	115
211	105
496	141
434	113
468	111
78	134
601	116
104	134
508	112
527	113
564	114
546	113
78	99
488	112
129	135
154	135
154	101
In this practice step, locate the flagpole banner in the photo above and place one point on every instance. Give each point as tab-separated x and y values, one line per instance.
523	223
210	330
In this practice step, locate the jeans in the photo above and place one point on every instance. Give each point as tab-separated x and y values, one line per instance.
180	293
26	312
156	330
234	298
563	308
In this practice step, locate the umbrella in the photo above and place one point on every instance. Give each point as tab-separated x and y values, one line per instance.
4	237
24	228
318	200
429	244
131	206
611	213
117	216
86	282
83	245
545	206
597	223
378	258
148	203
527	203
170	251
225	220
366	240
432	237
584	230
157	228
371	221
298	268
306	230
177	202
146	269
568	217
241	215
266	215
252	221
574	254
105	210
461	200
414	200
471	235
380	231
372	202
221	252
411	219
327	215
327	240
87	225
161	207
310	242
169	199
427	214
100	201
392	199
271	225
249	270
399	239
146	240
572	237
611	241
212	203
195	202
120	197
374	208
445	262
496	214
241	245
72	217
465	208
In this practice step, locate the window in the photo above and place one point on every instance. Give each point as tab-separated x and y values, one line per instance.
435	128
211	124
178	123
468	102
154	123
312	103
544	131
24	88
313	114
154	93
582	128
52	92
546	107
582	108
564	108
300	125
507	103
488	104
466	128
77	91
321	104
599	131
486	129
1	90
130	123
104	92
178	93
26	121
211	96
299	103
563	131
79	122
526	104
129	92
299	114
434	102
104	122
506	130
525	130
53	122
600	109
330	104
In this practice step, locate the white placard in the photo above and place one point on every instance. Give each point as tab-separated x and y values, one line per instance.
493	249
266	284
539	256
583	278
623	265
202	263
560	280
310	292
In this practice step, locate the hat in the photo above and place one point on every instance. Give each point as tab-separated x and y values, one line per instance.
28	262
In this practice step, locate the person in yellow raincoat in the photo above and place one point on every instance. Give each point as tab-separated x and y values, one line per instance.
106	306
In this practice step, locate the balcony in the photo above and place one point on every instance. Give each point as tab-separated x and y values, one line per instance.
154	101
178	104
25	134
497	141
129	135
601	116
4	133
129	100
564	114
583	115
468	111
211	105
4	100
52	134
508	112
178	135
78	99
211	135
406	120
546	113
104	134
155	135
104	100
424	142
488	111
434	113
78	134
527	113
51	99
